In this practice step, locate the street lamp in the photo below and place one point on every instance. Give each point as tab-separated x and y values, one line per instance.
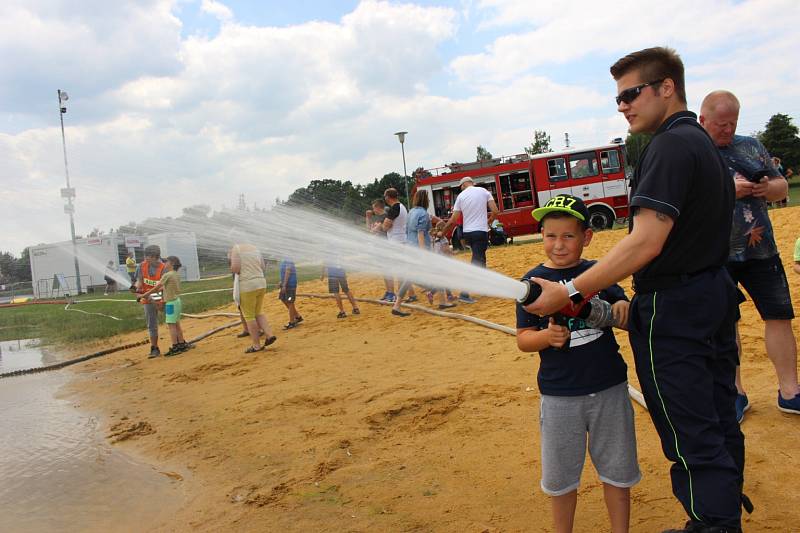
401	136
69	192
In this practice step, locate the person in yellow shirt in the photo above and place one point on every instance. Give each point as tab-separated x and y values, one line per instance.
130	265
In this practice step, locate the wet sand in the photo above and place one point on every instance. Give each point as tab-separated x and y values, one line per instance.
379	423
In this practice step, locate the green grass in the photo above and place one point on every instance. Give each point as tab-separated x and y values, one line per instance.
55	326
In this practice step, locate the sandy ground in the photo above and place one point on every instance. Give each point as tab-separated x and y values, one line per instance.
377	423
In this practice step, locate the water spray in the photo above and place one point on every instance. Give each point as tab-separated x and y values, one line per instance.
312	237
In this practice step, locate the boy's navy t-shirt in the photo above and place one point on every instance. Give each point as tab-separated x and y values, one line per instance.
286	264
593	362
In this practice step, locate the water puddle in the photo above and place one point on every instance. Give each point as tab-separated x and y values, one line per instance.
57	471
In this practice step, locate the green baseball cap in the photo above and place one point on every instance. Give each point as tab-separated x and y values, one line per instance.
566	203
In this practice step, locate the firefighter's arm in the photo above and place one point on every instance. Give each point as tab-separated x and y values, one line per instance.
635	250
536	340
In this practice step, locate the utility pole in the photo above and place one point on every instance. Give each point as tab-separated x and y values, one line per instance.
401	136
69	192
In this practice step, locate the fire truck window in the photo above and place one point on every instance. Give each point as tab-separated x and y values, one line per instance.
609	160
516	190
491	187
557	169
505	190
583	165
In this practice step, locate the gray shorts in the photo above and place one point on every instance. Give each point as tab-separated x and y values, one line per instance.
606	418
151	318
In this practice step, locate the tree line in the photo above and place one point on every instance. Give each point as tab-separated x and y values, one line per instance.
349	201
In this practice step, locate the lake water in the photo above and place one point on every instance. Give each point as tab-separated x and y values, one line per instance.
57	473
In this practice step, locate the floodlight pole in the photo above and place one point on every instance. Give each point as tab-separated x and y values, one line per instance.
401	136
69	193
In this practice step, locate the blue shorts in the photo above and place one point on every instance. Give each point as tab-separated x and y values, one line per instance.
765	282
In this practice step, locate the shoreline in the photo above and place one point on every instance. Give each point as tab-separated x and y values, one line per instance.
376	423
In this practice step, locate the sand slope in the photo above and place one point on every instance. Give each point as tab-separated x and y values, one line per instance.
376	423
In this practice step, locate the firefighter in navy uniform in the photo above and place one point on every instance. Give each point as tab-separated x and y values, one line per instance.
682	317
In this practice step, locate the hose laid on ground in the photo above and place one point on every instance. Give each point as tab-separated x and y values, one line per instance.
635	395
101	353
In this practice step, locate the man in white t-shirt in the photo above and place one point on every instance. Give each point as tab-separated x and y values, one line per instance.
472	204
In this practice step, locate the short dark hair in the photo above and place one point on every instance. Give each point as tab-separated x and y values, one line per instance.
153	251
421	198
391	192
175	262
561	214
653	64
378	202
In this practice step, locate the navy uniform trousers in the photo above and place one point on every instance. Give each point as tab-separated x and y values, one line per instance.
684	344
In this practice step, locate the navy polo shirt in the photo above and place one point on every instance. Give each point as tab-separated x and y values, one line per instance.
682	175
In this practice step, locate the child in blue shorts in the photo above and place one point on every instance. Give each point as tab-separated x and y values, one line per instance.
170	283
582	378
288	292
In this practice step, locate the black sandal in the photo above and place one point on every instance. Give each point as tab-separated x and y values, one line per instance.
253	349
270	340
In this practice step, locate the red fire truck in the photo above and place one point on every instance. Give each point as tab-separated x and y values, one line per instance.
521	183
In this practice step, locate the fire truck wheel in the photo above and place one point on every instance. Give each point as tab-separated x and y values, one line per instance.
600	218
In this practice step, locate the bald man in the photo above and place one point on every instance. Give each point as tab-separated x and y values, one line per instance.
754	261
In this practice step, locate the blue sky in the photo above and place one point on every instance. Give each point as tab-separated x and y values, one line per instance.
199	101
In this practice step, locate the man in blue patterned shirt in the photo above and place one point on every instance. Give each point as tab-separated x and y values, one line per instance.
754	261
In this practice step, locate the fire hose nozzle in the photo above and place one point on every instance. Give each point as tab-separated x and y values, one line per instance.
532	292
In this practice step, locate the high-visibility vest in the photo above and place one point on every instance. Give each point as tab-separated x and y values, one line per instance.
148	281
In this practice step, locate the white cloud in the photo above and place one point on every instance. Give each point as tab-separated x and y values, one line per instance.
552	33
217	9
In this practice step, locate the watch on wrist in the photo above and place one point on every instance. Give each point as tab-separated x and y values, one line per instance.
574	294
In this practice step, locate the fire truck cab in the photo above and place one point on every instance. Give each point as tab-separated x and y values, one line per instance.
521	183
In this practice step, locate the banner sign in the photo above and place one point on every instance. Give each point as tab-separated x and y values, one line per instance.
134	241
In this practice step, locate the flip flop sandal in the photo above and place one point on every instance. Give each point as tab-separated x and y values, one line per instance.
243	335
356	311
342	315
253	349
270	340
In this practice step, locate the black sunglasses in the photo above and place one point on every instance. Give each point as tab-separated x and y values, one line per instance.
629	95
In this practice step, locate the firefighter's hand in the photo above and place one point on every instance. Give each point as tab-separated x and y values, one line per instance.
620	312
554	297
559	335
